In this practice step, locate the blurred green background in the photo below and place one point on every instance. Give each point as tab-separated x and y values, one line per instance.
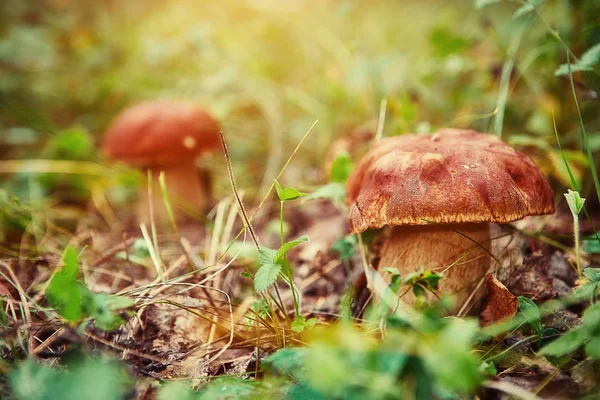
268	69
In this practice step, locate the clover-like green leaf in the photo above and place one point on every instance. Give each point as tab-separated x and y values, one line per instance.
287	194
67	295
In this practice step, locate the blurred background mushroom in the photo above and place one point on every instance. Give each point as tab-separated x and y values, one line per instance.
436	195
165	136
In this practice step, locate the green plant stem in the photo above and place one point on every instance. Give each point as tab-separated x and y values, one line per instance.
511	348
289	281
576	234
295	297
271	313
277	303
281	223
282	307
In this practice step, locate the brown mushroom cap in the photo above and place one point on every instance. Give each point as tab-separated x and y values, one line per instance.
160	133
452	176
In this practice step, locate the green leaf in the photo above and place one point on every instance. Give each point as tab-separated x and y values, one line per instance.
279	256
587	291
591	56
266	276
32	381
449	356
431	280
288	361
3	316
423	281
396	278
341	168
71	263
567	343
105	310
593	141
70	144
68	296
298	325
261	308
419	291
266	255
227	388
591	318
292	194
591	245
287	194
92	379
311	322
278	189
588	59
593	274
174	390
564	69
393	271
72	299
592	348
302	391
391	362
489	368
575	202
531	312
246	274
345	246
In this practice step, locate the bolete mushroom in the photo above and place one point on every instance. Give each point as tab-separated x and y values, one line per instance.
437	195
165	136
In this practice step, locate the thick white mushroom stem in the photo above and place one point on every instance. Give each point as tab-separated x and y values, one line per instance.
189	195
463	260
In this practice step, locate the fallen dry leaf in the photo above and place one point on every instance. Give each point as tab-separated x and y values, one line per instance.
499	302
533	279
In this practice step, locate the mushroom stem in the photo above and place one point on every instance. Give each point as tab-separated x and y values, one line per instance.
188	193
439	248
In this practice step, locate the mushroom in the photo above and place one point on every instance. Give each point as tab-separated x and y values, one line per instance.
165	136
437	196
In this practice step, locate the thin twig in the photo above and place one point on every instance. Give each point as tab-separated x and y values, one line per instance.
235	191
127	350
